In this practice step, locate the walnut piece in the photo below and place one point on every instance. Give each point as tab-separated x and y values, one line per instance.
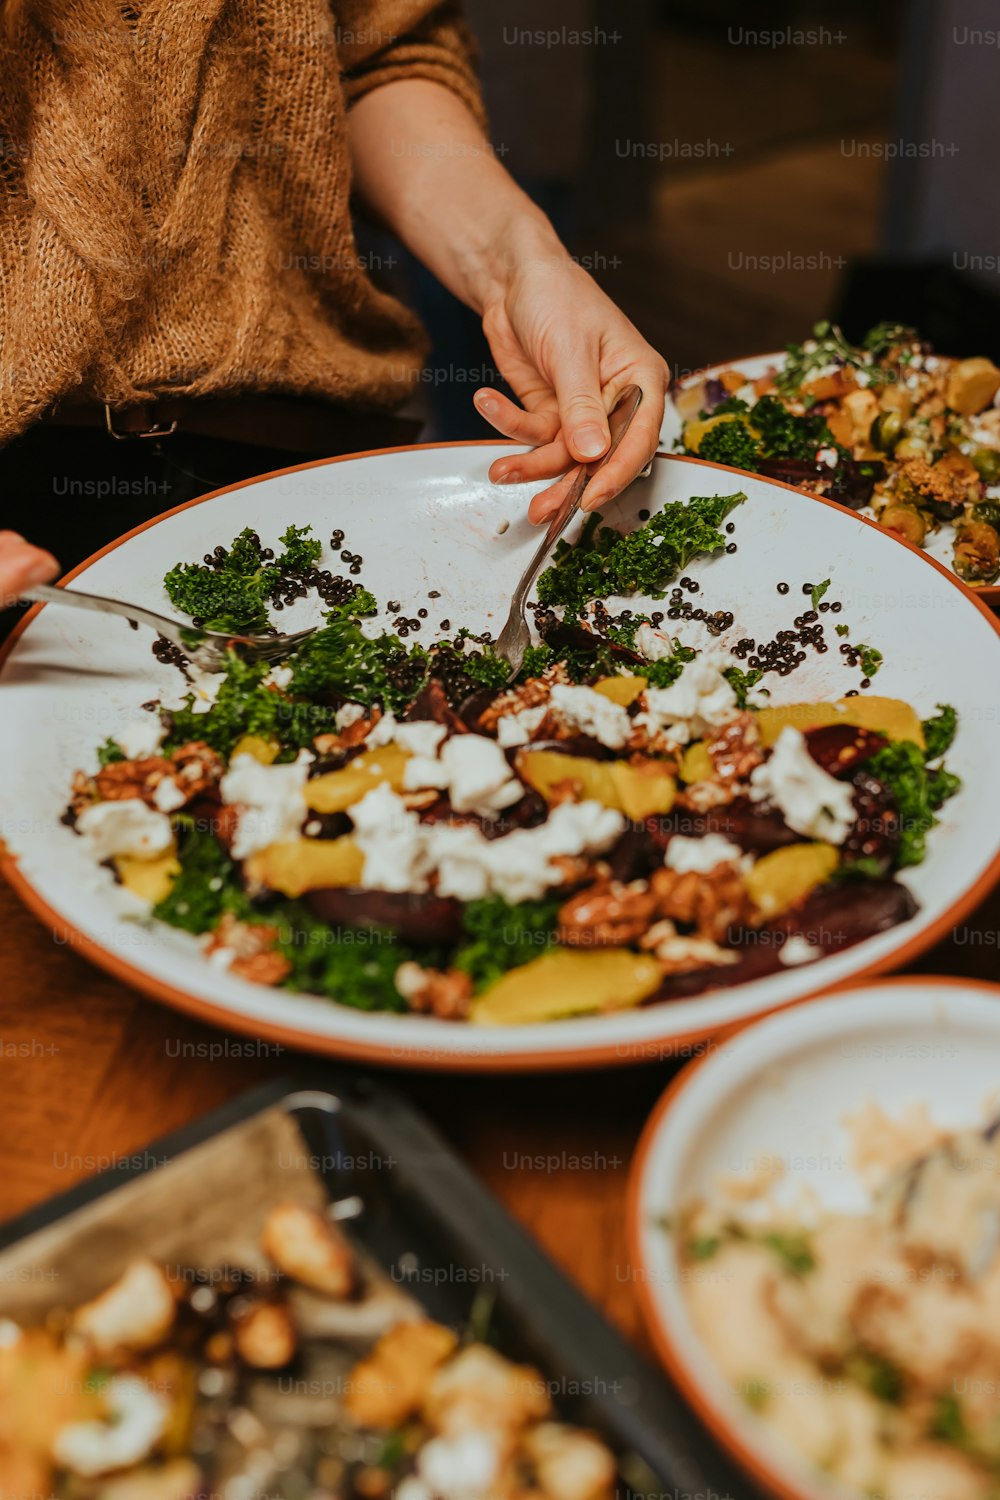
256	958
193	768
434	992
711	903
679	954
735	749
387	1388
533	692
309	1249
607	914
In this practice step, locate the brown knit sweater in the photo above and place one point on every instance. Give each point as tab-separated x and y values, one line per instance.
174	198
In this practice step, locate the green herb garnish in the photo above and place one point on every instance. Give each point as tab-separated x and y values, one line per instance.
793	1250
817	591
109	752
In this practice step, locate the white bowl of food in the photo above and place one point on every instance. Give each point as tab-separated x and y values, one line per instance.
815	1232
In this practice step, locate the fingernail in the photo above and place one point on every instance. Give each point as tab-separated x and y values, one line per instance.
512	476
487	404
590	442
592	502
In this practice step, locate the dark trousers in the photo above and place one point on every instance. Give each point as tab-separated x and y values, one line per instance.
74	489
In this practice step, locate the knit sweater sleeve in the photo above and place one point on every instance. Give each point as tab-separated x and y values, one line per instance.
380	41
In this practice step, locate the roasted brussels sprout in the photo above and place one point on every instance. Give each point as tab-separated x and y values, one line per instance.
977	552
987	464
906	521
886	431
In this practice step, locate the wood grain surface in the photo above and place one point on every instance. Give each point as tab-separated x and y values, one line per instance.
91	1071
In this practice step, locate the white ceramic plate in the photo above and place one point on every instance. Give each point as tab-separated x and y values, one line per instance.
781	1089
940	544
428	518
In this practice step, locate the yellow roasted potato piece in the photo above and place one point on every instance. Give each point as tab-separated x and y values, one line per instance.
388	1387
889	716
623	690
697	764
339	790
785	877
972	384
306	865
694	432
636	791
568	982
266	751
150	879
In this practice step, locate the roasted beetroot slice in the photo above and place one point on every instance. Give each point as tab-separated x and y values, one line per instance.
423	920
563	637
432	703
841	748
875	834
580	745
833	918
635	855
755	829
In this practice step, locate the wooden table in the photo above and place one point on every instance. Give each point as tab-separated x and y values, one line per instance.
91	1071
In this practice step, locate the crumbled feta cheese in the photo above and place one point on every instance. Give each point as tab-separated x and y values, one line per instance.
270	798
812	802
592	714
462	1467
421	738
204	686
221	957
141	737
383	733
401	852
862	378
410	979
798	950
393	842
136	1420
279	676
702	855
701	699
517	728
654	645
518	866
828	456
125	828
479	778
168	796
349	714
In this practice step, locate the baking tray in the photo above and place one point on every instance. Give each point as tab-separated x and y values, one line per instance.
412	1207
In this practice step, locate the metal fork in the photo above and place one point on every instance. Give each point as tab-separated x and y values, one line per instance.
206	649
515	637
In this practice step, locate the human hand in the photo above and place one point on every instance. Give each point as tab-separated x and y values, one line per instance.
567	352
21	567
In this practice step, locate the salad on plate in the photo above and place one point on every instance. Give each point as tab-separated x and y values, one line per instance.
395	826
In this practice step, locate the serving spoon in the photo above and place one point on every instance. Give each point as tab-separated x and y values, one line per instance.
206	649
515	637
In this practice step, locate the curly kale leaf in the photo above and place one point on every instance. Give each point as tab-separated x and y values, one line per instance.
732	443
742	681
233	596
109	752
340	661
918	794
605	562
939	731
244	706
502	937
207	886
784	435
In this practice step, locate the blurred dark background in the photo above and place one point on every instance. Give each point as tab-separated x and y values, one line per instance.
733	172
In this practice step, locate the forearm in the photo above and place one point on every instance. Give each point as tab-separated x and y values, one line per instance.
424	166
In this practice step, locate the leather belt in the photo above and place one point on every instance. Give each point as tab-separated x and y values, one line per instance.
298	424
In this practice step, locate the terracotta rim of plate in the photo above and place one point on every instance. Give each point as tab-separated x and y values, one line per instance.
710	1412
541	1059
